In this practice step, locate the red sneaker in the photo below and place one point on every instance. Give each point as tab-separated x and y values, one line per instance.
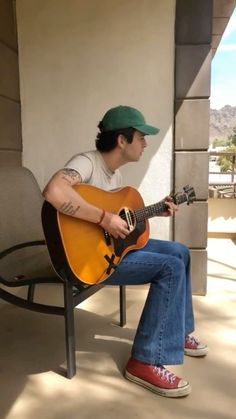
157	379
193	347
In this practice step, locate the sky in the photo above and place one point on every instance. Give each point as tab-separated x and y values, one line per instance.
223	69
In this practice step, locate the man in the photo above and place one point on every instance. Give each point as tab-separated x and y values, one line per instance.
163	334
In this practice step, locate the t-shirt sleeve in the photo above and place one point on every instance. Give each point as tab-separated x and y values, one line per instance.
82	164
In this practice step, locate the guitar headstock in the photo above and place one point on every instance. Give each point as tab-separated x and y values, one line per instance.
188	196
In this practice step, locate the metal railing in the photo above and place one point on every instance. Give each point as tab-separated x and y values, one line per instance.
222	184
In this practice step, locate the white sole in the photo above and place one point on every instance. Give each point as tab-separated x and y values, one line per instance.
196	352
179	392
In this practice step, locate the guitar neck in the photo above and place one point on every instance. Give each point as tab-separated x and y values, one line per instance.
153	210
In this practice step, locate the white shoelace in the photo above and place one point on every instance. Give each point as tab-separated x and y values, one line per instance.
165	374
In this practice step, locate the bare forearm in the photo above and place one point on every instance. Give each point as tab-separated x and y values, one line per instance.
61	194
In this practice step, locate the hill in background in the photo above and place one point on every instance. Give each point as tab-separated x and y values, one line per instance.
222	122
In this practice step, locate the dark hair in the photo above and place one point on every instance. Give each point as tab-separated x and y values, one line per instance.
107	140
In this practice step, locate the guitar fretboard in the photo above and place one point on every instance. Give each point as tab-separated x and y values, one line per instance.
150	211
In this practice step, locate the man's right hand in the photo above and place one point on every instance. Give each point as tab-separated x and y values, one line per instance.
114	224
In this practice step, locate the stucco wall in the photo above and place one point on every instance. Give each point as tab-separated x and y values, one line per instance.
77	59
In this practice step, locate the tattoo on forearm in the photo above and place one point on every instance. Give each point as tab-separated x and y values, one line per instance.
70	175
67	208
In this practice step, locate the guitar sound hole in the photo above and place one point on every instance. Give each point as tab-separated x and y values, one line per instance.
128	215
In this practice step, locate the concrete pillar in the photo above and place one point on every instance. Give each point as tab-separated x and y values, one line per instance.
191	134
10	110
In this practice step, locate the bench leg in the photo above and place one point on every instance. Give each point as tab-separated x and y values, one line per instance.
30	295
69	329
122	305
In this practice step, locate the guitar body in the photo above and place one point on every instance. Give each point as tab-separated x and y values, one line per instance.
87	250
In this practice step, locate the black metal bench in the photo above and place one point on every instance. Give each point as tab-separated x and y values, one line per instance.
24	258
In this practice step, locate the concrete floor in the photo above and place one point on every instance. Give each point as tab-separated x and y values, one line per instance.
31	387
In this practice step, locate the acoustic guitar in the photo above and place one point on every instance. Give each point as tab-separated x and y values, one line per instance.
84	249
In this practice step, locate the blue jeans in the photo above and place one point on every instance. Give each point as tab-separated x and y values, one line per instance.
167	315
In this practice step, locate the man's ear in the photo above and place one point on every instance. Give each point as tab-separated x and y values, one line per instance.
121	141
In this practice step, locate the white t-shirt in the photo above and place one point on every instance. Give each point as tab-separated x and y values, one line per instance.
93	170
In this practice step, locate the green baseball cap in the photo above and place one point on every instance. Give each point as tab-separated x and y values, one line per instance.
126	117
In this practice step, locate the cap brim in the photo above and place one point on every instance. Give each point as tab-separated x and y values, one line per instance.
147	129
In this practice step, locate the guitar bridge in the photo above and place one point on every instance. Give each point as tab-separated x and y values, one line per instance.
111	264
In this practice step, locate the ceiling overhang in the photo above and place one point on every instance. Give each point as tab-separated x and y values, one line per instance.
222	11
